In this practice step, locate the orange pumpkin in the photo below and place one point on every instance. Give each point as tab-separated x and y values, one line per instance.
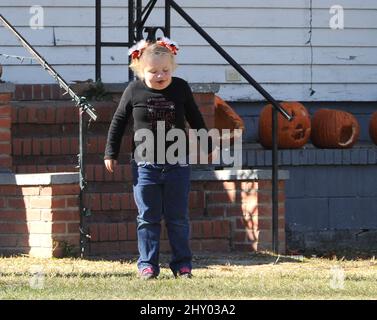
334	129
227	118
291	134
373	127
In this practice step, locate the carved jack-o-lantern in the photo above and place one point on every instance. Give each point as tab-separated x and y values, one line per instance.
227	118
373	127
334	129
291	134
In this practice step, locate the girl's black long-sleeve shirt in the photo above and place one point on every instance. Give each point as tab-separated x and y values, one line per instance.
174	105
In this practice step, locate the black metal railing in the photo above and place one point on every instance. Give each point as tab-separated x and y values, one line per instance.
135	33
84	108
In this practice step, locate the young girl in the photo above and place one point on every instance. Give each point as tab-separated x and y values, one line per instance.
160	189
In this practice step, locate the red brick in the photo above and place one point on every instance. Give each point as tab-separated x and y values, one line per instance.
196	229
218	211
46	146
233	211
26	146
66	215
91	146
72	201
125	201
17	146
105	201
95	201
18	93
245	247
17	202
89	173
5	161
55	146
74	146
93	231
5	123
37	92
98	172
59	227
13	228
222	197
118	173
10	215
129	247
207	229
5	110
131	231
46	91
113	231
5	148
36	146
127	172
50	115
5	134
67	189
32	114
267	185
239	236
14	240
115	202
218	231
10	190
5	97
73	227
122	231
215	245
103	232
66	146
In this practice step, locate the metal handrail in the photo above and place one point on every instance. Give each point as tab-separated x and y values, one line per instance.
85	107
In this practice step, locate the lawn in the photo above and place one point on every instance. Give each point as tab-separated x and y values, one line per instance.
249	276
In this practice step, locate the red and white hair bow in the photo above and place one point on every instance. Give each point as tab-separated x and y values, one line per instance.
137	50
167	43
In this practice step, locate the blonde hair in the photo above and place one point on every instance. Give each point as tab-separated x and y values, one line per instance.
152	50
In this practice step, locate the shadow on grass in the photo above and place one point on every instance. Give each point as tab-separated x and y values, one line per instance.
212	259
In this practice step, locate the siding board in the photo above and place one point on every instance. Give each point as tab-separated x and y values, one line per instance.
268	37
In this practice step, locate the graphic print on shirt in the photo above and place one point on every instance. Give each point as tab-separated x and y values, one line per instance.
160	109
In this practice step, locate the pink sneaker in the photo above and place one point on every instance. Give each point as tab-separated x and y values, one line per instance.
183	272
147	273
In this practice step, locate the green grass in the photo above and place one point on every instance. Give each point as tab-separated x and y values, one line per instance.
258	276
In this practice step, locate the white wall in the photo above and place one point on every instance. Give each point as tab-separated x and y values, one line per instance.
267	37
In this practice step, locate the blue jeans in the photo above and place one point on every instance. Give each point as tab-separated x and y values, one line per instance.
162	190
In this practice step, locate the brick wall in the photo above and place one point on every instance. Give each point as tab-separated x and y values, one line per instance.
6	92
39	214
226	214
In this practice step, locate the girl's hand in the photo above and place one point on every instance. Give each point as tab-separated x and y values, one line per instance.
110	164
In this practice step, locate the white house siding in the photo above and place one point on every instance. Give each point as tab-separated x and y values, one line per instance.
267	37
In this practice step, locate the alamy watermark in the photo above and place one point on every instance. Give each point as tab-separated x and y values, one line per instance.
337	277
175	146
37	19
37	277
337	20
